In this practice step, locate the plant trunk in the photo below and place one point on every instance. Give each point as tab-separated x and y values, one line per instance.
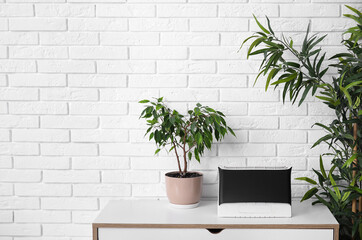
354	201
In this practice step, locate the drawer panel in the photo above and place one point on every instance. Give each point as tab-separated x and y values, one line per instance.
204	234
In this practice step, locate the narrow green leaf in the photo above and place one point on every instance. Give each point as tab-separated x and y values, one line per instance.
309	194
261	26
309	180
321	166
144	101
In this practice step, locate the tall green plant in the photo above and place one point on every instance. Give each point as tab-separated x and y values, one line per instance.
306	74
187	136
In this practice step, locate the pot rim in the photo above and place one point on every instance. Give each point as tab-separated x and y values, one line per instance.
200	175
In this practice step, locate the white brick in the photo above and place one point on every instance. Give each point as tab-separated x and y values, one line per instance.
16	10
64	10
300	150
190	94
37	108
233	39
25	52
296	163
32	216
243	10
157	81
99	24
133	66
253	95
68	149
211	53
190	39
217	81
15	38
69	38
103	108
64	66
19	121
98	52
97	80
136	108
249	149
4	135
130	176
3	80
74	230
126	149
129	38
30	189
6	216
37	24
309	10
20	229
19	149
186	10
158	24
6	162
221	24
123	10
68	122
104	190
35	162
127	94
154	163
100	163
20	175
228	108
282	24
40	135
186	67
276	109
148	190
253	122
13	203
158	53
123	122
238	66
319	109
37	80
99	135
18	94
6	189
68	94
17	66
66	176
69	203
4	24
83	216
301	122
280	136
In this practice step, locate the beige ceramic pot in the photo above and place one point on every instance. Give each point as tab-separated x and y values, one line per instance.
184	192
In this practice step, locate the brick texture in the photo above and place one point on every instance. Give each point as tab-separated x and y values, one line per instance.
72	72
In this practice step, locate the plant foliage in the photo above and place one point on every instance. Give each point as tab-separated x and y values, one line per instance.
188	135
305	74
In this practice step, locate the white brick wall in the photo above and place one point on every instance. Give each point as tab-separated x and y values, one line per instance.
72	71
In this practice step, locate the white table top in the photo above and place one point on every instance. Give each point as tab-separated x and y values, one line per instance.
159	212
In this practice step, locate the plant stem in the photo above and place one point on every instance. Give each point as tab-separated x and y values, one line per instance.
178	159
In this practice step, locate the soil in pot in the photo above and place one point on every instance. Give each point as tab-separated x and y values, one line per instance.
187	175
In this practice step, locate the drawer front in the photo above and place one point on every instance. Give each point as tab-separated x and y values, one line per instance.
204	234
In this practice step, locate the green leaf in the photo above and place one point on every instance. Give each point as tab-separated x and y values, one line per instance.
347	95
261	26
144	101
157	151
321	166
350	160
334	185
311	181
309	194
287	79
272	73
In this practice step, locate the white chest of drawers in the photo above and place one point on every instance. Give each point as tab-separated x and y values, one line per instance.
156	220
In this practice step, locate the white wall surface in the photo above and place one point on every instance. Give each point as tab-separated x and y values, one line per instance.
72	72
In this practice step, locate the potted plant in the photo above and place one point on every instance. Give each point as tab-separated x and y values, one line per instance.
188	137
339	190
